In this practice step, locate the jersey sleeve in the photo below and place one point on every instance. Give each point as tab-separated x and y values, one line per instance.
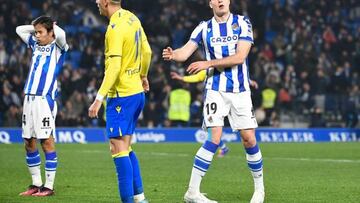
115	39
199	77
196	35
25	33
246	29
110	76
146	54
60	38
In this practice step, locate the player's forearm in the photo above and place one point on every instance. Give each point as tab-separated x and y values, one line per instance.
199	77
183	53
180	55
227	62
60	37
243	49
110	77
25	31
146	60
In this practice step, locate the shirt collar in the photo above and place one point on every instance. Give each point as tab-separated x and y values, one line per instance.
117	13
227	20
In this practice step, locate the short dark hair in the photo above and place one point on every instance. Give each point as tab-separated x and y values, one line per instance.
116	1
46	21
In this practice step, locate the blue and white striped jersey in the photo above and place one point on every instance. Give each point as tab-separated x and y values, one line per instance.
219	41
45	66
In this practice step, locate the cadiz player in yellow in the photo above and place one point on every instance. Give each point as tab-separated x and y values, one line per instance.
127	60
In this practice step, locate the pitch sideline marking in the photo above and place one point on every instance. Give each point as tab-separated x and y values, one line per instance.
274	158
265	158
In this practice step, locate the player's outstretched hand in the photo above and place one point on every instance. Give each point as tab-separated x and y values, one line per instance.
145	83
197	67
168	54
176	76
94	109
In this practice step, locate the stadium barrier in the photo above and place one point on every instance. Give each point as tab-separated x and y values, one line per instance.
157	135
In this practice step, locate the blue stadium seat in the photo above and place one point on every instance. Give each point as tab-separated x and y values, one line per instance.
35	12
71	29
102	29
85	29
77	18
270	35
75	57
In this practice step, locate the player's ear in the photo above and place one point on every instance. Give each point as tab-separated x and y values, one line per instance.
210	4
52	33
106	3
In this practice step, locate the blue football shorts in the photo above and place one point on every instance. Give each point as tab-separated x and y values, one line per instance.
122	114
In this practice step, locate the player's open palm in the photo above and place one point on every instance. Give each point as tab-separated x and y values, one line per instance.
168	54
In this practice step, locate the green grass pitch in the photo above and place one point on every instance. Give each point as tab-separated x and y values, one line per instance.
293	172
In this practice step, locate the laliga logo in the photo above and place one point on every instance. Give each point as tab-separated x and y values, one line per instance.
224	40
201	136
148	137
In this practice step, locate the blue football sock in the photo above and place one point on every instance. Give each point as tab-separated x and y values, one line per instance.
50	169
124	172
202	163
33	162
33	158
254	159
138	187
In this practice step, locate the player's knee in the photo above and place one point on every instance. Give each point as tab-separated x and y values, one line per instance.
249	144
30	145
215	140
48	145
215	135
249	141
118	145
115	146
114	149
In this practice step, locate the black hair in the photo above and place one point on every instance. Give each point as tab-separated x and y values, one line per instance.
46	21
116	1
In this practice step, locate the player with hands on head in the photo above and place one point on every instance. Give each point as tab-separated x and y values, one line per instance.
48	43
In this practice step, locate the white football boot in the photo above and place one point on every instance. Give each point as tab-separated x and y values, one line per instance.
190	197
258	196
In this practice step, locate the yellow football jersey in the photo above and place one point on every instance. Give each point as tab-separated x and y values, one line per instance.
127	55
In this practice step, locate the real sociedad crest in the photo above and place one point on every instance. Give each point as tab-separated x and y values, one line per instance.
235	26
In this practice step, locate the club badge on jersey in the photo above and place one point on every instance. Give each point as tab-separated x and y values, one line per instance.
220	40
